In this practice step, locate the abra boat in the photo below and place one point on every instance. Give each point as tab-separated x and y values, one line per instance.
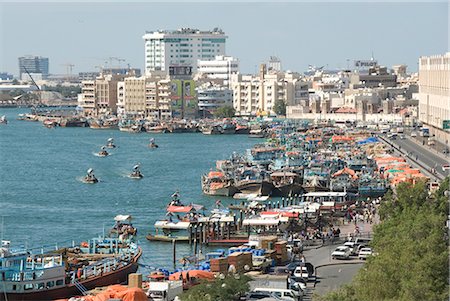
136	174
3	120
90	177
46	274
103	152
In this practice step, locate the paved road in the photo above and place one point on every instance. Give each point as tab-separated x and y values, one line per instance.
332	277
424	155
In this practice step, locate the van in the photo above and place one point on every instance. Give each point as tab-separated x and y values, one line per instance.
285	294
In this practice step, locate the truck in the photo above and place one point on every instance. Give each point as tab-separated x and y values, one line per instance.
165	290
425	132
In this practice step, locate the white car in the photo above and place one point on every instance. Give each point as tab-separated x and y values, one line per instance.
301	272
445	167
364	253
413	134
341	252
352	245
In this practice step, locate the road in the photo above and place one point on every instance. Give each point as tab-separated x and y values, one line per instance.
424	155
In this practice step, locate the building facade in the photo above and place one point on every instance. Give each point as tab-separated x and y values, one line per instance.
211	97
257	95
221	67
33	64
434	94
181	47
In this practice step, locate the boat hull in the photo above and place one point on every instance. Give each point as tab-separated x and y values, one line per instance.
119	276
288	190
256	187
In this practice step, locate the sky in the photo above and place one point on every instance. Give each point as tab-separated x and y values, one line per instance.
327	34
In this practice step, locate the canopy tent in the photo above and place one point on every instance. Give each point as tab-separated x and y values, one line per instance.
123	218
179	209
200	274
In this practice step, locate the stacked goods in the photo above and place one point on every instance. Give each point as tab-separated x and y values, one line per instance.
239	260
281	251
272	254
219	265
268	242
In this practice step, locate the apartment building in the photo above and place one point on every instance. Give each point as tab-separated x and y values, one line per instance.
221	67
182	47
434	94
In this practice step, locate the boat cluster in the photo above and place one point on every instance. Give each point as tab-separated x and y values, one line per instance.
299	160
136	172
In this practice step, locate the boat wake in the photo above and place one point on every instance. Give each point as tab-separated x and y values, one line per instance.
97	155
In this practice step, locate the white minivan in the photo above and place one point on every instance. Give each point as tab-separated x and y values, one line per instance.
285	294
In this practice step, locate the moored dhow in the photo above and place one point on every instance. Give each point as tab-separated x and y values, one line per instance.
27	274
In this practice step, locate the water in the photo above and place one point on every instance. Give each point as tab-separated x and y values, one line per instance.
43	200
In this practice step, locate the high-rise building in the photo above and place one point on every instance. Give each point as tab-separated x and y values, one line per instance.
434	94
181	47
33	64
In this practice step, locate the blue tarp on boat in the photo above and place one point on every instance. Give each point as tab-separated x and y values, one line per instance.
368	140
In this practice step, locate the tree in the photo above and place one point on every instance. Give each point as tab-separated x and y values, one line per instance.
225	112
280	107
227	289
411	242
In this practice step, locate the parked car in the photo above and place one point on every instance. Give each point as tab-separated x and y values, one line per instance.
352	246
297	283
445	167
364	253
413	134
401	136
341	252
284	294
260	296
301	272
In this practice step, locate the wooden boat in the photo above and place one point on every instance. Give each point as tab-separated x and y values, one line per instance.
242	130
67	272
212	130
215	183
73	122
286	184
259	187
3	120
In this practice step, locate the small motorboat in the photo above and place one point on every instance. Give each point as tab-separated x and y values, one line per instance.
103	152
110	143
136	174
90	177
3	120
153	144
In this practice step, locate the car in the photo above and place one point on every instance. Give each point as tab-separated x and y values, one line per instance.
445	167
402	136
364	253
301	272
446	150
261	263
341	252
297	283
352	245
260	296
413	134
431	142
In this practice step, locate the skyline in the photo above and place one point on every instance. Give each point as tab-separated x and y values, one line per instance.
300	34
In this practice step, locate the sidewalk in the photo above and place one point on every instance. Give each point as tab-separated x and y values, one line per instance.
431	149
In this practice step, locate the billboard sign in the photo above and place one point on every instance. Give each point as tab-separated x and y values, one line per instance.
446	124
180	71
365	63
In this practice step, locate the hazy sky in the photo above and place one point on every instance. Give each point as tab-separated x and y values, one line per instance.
299	33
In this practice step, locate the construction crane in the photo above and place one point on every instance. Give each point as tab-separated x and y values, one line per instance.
116	59
39	89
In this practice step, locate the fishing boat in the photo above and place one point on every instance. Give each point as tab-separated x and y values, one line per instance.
242	130
286	184
104	124
49	274
73	122
256	133
212	130
50	123
110	143
90	177
215	183
228	128
103	152
123	228
3	120
136	174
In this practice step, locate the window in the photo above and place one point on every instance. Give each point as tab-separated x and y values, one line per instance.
50	284
28	286
59	282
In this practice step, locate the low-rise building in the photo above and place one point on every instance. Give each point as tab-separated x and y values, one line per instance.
211	97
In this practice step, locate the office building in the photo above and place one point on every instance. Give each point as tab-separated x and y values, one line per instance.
211	97
181	47
221	67
33	64
434	94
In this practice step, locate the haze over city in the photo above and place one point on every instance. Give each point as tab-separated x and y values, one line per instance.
300	34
